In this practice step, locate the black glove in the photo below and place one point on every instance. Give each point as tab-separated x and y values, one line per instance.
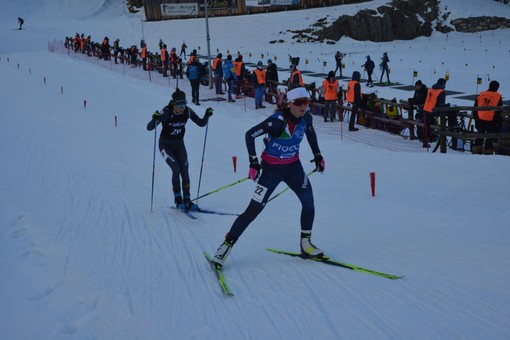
209	112
254	171
320	164
156	115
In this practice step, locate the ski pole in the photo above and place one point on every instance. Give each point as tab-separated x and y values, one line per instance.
287	188
223	187
202	163
153	164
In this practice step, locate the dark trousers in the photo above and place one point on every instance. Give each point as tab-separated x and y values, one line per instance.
218	81
483	126
175	155
195	86
291	174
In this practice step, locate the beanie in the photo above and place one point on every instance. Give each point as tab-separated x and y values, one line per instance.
441	81
356	75
331	74
178	96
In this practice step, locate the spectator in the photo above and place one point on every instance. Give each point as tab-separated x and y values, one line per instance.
330	87
164	60
230	76
105	48
369	66
195	73
354	97
116	50
217	67
240	74
384	67
420	94
258	80
436	97
272	79
487	121
296	79
144	55
174	60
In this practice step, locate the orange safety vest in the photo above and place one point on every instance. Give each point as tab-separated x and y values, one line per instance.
238	66
488	98
144	52
163	54
300	81
431	101
349	97
330	89
173	57
215	63
261	76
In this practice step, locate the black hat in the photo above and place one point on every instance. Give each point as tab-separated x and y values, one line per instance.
418	83
356	75
331	74
259	63
179	97
493	85
441	81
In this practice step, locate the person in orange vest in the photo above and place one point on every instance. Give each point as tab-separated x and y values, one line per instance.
296	79
174	59
354	97
144	55
217	67
241	72
330	88
488	121
436	97
164	60
258	79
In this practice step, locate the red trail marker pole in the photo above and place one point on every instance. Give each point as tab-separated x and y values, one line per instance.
372	183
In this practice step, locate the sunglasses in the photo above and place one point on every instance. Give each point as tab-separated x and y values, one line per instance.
181	105
301	102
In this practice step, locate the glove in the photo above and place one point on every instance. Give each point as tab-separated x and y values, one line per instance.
155	115
254	171
209	112
320	164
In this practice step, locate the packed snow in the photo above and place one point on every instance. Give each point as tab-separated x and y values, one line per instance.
83	256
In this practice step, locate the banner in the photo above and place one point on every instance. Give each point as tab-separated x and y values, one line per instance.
220	4
184	9
265	3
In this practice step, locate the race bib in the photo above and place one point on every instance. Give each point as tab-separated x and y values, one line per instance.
260	192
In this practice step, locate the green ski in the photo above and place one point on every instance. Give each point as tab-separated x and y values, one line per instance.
219	275
332	262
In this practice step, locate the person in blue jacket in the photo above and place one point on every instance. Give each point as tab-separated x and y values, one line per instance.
286	129
229	74
173	118
195	74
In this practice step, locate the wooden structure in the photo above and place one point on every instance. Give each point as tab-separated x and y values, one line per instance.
218	8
